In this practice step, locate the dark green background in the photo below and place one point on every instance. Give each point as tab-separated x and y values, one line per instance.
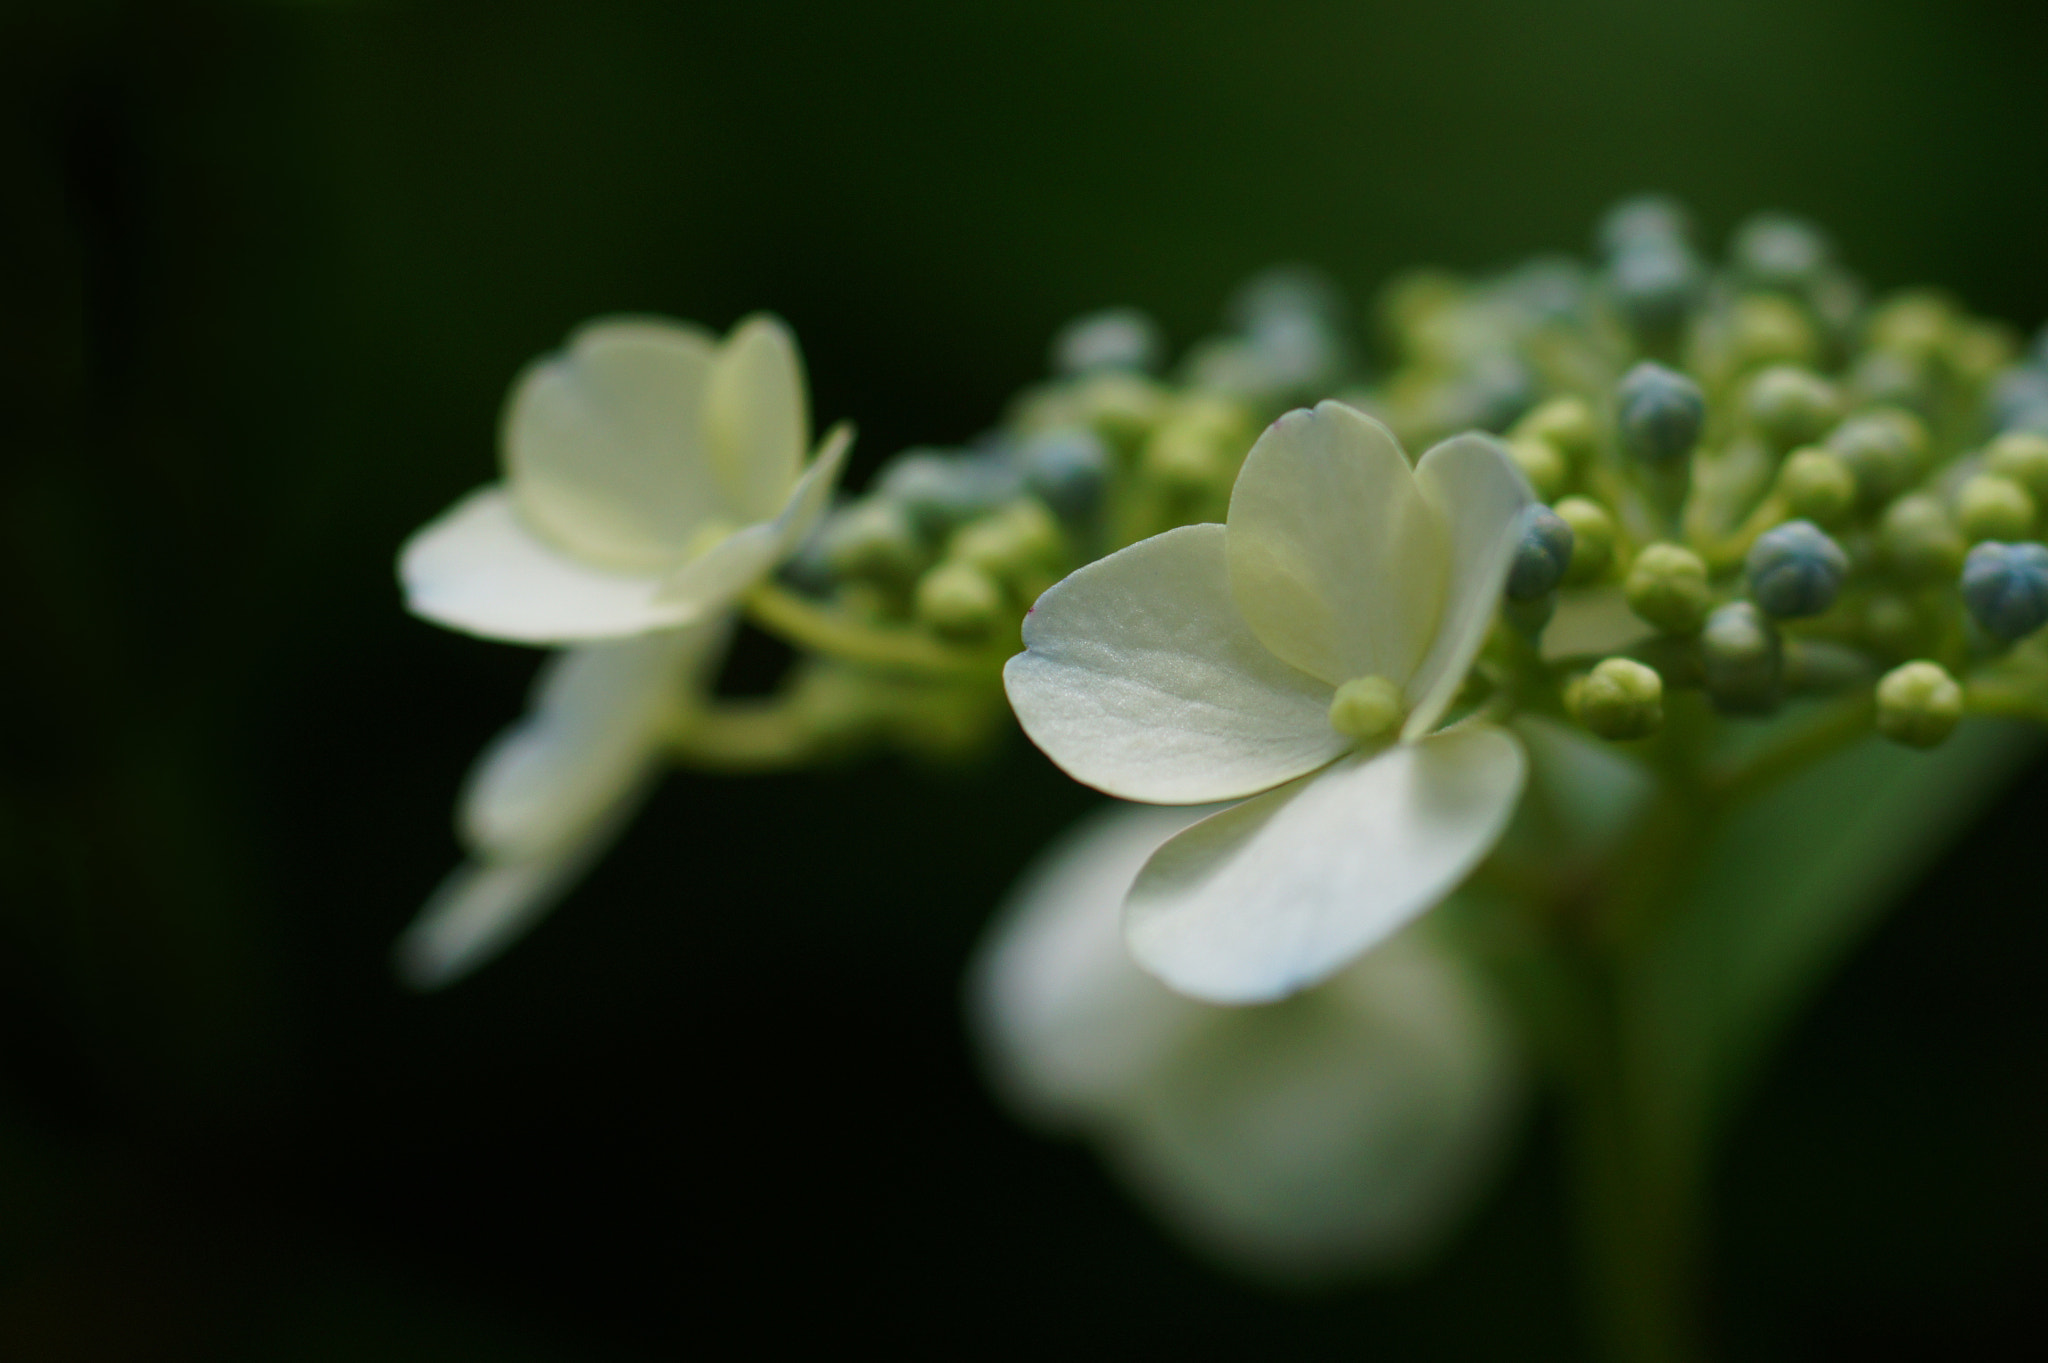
274	266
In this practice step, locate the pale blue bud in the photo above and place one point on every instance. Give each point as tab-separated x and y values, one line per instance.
1661	412
1654	283
1795	570
1647	217
1742	660
1542	553
1066	470
2006	588
1779	251
939	491
1116	338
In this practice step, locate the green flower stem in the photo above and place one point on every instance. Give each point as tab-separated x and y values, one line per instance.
836	634
1839	723
2006	699
742	736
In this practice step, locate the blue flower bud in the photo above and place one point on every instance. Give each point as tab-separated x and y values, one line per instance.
1661	413
2006	588
1779	251
1066	471
1116	338
1646	218
1654	282
1543	551
1795	570
940	491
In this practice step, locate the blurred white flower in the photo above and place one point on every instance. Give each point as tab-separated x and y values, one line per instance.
652	475
1307	650
551	793
1346	1129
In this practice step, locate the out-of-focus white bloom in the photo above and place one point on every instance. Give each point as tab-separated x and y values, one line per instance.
1346	1129
652	475
550	794
1307	649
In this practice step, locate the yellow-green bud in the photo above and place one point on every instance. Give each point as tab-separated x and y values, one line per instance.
1618	699
1542	465
959	601
1565	424
1817	485
1919	542
1893	627
1991	506
1915	323
1790	406
1200	444
1979	349
2023	457
1593	536
874	539
1367	708
1120	406
1021	537
1883	447
1918	704
1765	329
1667	586
1742	659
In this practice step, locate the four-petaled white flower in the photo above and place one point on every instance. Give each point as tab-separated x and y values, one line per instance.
551	793
1345	1130
652	475
1307	649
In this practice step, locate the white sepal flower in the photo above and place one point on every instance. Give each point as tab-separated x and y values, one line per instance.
1346	1129
1307	649
652	475
551	793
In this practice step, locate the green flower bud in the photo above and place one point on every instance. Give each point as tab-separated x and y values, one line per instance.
1593	535
1991	506
940	491
1119	406
1667	586
1543	550
1884	448
2023	457
1367	708
1919	542
1915	323
873	538
959	601
1918	704
1199	446
1542	465
1619	699
1817	485
1012	543
1661	413
1764	329
1565	424
1893	627
1794	570
1790	406
1742	660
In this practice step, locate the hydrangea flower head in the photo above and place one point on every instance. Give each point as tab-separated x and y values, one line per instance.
1302	654
652	475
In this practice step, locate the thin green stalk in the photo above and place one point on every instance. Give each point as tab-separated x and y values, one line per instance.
837	634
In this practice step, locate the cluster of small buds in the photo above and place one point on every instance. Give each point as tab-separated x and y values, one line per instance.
1764	482
954	545
1793	489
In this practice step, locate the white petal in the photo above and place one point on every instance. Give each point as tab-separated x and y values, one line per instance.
1140	678
604	444
1347	1129
1478	494
1068	1024
485	906
724	572
593	733
480	570
1279	892
1335	559
757	421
